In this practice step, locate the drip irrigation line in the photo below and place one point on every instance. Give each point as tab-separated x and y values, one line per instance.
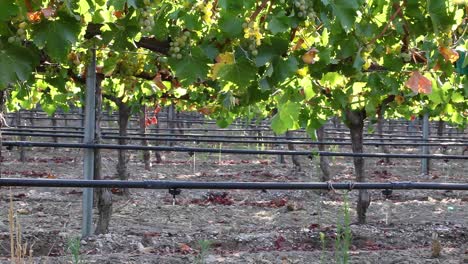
109	130
233	141
229	151
153	184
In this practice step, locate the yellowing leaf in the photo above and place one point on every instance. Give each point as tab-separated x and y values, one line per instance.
399	99
418	83
449	54
221	60
309	56
303	71
159	83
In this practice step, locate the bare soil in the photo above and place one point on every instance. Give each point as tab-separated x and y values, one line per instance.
242	226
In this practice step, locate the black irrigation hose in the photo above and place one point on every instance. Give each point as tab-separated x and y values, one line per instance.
231	141
258	139
110	131
152	184
230	151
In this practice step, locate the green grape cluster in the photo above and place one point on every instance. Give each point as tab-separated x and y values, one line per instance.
50	70
207	10
304	9
179	45
146	20
131	65
20	33
253	34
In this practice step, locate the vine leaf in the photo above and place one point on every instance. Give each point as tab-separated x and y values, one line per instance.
192	68
241	73
57	36
16	64
418	83
437	10
9	9
449	54
310	56
221	60
345	12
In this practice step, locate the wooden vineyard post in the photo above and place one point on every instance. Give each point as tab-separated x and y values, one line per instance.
88	161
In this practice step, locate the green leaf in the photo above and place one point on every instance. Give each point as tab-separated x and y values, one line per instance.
287	116
458	98
277	125
191	68
268	51
8	9
241	73
279	23
192	21
345	12
309	92
283	69
358	61
122	34
16	64
120	4
324	37
57	36
437	10
230	25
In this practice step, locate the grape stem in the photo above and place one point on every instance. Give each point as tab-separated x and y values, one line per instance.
386	26
257	11
28	5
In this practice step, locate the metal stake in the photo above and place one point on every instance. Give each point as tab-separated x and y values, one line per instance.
89	133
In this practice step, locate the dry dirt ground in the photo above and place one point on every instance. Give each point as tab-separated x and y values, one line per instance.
241	226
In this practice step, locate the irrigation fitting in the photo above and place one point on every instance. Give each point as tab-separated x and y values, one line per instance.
174	192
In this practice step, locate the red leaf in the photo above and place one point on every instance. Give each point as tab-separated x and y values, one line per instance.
279	241
418	83
154	120
157	109
314	226
34	17
185	249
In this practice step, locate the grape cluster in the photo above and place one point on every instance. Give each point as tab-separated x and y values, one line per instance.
207	10
146	20
179	44
252	33
304	9
20	33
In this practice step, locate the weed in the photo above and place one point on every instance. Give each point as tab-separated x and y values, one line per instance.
74	246
324	247
205	246
18	250
334	148
343	234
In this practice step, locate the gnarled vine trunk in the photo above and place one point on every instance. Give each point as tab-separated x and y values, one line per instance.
103	195
380	121
355	123
324	160
144	141
294	158
124	115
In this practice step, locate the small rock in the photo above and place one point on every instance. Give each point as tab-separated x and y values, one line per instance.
23	211
41	214
83	242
